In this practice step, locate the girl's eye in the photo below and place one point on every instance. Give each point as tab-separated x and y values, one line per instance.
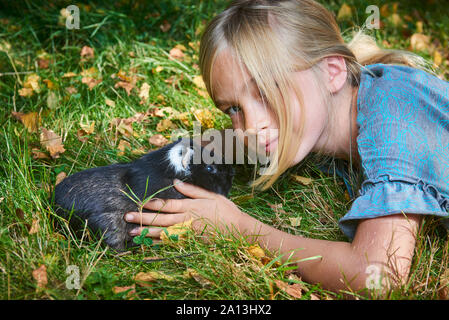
232	110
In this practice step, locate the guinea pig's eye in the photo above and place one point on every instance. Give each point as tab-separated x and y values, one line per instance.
211	169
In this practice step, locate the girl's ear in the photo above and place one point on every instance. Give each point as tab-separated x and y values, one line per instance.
335	73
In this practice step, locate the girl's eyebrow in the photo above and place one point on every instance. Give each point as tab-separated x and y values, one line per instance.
219	103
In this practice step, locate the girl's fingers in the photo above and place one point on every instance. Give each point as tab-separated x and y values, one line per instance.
154	219
152	232
170	205
193	191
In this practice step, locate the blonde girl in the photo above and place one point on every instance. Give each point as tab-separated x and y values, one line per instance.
283	65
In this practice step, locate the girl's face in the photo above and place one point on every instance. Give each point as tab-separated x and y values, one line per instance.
237	95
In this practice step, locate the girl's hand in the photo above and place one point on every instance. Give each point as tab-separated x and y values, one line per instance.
207	209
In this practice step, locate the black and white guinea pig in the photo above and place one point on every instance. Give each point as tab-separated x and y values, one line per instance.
102	195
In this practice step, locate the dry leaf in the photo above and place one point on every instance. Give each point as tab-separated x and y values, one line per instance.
59	177
26	92
32	82
294	290
302	180
34	226
179	230
345	12
30	120
256	251
90	82
419	42
37	154
69	75
204	282
131	293
49	83
165	26
43	63
176	53
295	222
205	117
87	52
198	81
165	124
122	146
109	102
88	128
125	85
144	93
52	143
71	90
158	140
142	277
437	58
40	275
158	69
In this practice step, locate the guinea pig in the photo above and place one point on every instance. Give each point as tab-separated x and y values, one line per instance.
103	195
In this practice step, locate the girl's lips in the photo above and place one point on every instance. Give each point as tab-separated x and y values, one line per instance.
271	145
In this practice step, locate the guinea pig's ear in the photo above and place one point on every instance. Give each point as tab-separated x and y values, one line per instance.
187	156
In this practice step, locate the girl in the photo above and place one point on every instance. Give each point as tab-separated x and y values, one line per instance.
283	65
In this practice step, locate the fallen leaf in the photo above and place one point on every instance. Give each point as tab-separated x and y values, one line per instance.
164	125
144	93
52	100
158	69
419	42
30	120
43	63
203	281
59	177
49	83
122	146
71	90
205	117
294	290
345	12
198	81
131	290
32	82
302	180
142	278
87	52
125	85
26	92
177	231
109	102
158	140
165	26
51	142
40	275
90	82
34	226
256	251
69	75
88	128
176	53
295	222
37	154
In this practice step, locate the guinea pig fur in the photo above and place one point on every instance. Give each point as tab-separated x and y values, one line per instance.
103	195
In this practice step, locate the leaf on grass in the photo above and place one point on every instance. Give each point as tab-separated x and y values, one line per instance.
177	231
109	102
59	177
88	128
142	278
419	42
302	180
176	53
40	275
30	85
71	90
37	154
205	117
90	77
34	226
294	290
256	251
130	291
51	142
125	85
158	140
295	222
164	125
144	93
87	53
345	13
52	100
122	146
30	120
203	281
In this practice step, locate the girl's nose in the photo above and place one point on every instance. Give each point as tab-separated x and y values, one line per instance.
257	119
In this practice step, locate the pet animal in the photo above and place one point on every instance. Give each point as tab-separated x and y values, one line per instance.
103	195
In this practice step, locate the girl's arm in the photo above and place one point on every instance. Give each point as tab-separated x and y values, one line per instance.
382	248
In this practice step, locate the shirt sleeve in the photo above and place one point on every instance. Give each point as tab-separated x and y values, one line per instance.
383	197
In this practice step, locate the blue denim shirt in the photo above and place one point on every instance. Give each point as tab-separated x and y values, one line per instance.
403	142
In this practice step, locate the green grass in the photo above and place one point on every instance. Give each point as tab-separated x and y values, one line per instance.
127	36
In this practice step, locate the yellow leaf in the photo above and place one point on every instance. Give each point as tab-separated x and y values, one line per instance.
180	230
32	82
302	180
256	251
205	117
152	276
52	142
295	222
437	58
144	92
26	92
88	128
30	120
61	176
165	124
198	81
345	12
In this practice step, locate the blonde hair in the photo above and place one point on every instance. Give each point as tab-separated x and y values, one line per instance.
272	38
